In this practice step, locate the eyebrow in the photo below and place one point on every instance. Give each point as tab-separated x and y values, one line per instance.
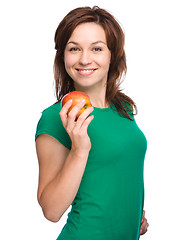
91	43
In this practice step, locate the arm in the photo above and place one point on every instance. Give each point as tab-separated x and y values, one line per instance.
60	169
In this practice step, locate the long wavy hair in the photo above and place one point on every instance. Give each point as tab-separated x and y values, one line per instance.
115	41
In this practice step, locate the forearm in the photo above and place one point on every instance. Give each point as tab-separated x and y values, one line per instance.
61	191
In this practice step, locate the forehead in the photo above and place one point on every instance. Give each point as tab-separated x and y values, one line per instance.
88	32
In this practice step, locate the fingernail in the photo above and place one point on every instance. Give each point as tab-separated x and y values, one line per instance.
140	231
83	101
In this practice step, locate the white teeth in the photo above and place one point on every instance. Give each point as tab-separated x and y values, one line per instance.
86	71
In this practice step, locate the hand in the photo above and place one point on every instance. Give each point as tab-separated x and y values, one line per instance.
77	128
144	224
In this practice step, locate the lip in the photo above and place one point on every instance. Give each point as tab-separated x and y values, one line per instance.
85	71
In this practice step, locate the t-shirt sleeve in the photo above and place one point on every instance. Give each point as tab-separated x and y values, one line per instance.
51	124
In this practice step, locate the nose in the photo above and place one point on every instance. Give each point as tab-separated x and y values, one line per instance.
85	58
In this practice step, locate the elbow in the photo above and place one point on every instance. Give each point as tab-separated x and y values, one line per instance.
50	212
51	215
52	218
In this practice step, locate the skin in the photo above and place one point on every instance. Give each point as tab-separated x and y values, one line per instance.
87	60
144	224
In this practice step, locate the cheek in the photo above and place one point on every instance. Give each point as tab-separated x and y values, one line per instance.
69	61
105	58
105	61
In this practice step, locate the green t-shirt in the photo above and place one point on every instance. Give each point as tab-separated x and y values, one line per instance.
109	201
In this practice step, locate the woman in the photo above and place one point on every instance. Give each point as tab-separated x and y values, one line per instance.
94	163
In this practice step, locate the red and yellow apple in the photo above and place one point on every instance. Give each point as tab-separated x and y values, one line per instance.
76	97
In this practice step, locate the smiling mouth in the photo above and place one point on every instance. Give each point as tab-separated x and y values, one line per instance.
86	70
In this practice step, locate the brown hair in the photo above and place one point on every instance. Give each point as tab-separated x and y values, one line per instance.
115	41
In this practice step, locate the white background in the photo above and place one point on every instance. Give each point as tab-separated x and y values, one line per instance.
153	49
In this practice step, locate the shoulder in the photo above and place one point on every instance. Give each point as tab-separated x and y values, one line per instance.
51	124
49	118
54	108
123	109
50	115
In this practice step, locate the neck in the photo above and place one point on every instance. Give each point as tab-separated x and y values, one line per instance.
100	104
97	96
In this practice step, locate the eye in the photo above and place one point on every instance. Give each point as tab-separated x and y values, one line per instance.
74	49
97	49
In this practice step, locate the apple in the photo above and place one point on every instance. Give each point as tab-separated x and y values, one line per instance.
76	96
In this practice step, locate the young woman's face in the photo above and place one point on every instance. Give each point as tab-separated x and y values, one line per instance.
87	57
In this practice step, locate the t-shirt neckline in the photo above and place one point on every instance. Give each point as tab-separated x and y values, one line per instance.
102	109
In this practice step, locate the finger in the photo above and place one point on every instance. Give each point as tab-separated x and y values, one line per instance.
87	122
66	106
142	232
146	224
75	110
143	213
64	111
143	217
144	227
73	113
83	117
